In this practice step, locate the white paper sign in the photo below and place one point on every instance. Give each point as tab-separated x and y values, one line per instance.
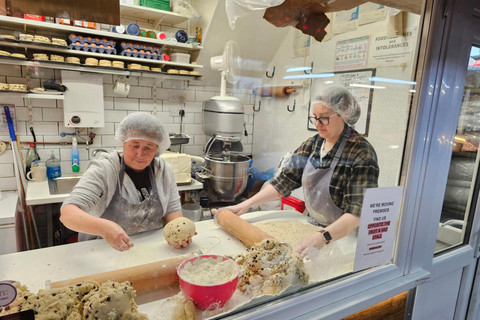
351	53
378	225
392	52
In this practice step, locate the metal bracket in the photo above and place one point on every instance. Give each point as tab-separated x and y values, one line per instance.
311	70
259	106
293	108
273	73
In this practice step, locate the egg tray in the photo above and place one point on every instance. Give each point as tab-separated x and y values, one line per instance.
89	48
88	39
128	45
141	55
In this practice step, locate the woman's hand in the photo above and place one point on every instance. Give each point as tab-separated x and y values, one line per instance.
317	241
238	209
116	236
183	244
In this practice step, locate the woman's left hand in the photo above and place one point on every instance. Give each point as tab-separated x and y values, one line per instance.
183	244
317	241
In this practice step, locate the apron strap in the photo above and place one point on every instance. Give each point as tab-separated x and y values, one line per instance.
339	152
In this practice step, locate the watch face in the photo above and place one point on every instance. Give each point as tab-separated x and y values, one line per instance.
327	236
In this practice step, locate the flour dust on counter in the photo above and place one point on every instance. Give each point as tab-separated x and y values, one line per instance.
292	232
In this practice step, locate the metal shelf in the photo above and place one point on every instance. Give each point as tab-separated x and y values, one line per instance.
159	16
32	95
41	25
66	51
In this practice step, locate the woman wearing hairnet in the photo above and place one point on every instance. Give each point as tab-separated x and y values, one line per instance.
124	194
335	167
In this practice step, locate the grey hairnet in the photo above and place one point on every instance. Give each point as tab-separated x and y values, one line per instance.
144	126
342	102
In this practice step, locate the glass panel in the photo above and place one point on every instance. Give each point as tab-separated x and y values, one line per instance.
461	190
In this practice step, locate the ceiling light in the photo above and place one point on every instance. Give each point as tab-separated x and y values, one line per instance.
365	86
378	79
295	69
310	76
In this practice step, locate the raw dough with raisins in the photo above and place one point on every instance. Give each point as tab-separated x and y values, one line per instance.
178	230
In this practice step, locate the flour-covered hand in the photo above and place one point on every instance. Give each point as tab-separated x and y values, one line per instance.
116	236
317	241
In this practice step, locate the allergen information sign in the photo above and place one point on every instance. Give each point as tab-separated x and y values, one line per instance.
378	225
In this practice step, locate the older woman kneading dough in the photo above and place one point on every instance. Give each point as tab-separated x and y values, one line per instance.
335	168
126	193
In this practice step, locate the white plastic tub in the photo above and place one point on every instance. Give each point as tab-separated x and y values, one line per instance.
180	57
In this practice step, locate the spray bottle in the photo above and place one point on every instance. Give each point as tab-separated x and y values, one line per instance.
75	156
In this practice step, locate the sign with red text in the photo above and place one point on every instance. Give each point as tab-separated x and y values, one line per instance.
378	225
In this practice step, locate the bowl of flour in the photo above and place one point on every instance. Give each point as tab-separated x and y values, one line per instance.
209	280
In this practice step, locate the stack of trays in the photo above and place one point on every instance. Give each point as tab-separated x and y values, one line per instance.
137	50
91	44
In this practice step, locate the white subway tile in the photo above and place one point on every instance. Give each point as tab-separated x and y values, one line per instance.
107	79
200	140
244	98
250	138
213	89
147	105
164	117
7	156
43	73
189	95
248	108
125	104
22	114
194	150
44	103
167	105
46	127
108	91
108	103
146	82
110	141
195	87
163	94
22	128
133	81
51	114
66	154
140	92
249	128
247	149
16	80
251	119
172	128
198	117
194	129
203	95
114	115
8	184
109	128
13	99
47	153
189	118
173	84
193	106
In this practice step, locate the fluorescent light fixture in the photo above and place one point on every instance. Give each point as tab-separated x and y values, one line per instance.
378	79
310	76
295	69
328	82
365	86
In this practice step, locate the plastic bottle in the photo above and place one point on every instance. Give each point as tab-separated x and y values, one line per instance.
75	156
32	156
53	167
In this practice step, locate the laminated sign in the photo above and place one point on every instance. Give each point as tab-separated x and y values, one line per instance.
378	224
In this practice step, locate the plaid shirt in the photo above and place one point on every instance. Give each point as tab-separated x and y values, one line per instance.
356	171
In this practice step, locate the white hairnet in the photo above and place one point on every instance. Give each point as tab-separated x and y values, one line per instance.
342	102
144	126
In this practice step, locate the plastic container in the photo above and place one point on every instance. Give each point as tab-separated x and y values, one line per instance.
208	297
133	29
53	167
192	211
32	157
180	57
181	36
75	156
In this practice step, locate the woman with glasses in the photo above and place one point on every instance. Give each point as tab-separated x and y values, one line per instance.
335	168
126	193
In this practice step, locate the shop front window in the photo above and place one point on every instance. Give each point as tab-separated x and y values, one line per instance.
461	192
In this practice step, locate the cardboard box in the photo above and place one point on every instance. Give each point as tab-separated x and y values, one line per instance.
105	11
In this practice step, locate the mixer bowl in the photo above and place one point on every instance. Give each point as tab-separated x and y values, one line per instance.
227	179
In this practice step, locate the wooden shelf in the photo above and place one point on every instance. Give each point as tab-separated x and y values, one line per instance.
146	13
13	22
70	52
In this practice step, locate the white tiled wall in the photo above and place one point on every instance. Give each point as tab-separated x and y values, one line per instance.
48	116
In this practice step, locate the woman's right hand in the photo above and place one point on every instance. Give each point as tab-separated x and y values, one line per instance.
116	236
238	209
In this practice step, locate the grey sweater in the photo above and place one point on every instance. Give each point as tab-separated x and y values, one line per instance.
97	186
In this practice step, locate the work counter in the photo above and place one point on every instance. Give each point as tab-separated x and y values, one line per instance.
34	268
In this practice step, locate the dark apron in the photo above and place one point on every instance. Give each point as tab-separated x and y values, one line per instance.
133	218
321	209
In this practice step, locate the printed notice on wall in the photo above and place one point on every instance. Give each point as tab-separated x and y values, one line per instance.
392	52
3	118
351	53
378	224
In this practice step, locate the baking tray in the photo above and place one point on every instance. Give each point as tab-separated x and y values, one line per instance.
43	44
59	62
103	67
14	58
11	91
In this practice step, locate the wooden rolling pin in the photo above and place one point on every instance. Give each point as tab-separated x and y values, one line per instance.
274	91
144	278
240	229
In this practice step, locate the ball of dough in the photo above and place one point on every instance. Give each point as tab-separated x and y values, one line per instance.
178	230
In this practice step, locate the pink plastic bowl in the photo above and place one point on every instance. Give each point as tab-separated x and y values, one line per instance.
208	297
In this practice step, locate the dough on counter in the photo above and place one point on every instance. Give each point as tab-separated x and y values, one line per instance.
269	267
178	230
185	310
19	304
111	301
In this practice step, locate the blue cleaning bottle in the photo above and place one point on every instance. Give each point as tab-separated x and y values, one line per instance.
53	167
75	156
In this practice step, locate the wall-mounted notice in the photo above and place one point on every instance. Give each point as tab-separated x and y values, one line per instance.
351	53
392	52
3	118
371	12
378	224
345	21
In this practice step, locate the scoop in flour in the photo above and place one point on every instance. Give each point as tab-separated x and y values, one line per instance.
178	230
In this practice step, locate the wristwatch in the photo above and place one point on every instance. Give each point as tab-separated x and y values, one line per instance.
326	236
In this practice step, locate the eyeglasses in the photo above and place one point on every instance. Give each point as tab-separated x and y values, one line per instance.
324	121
